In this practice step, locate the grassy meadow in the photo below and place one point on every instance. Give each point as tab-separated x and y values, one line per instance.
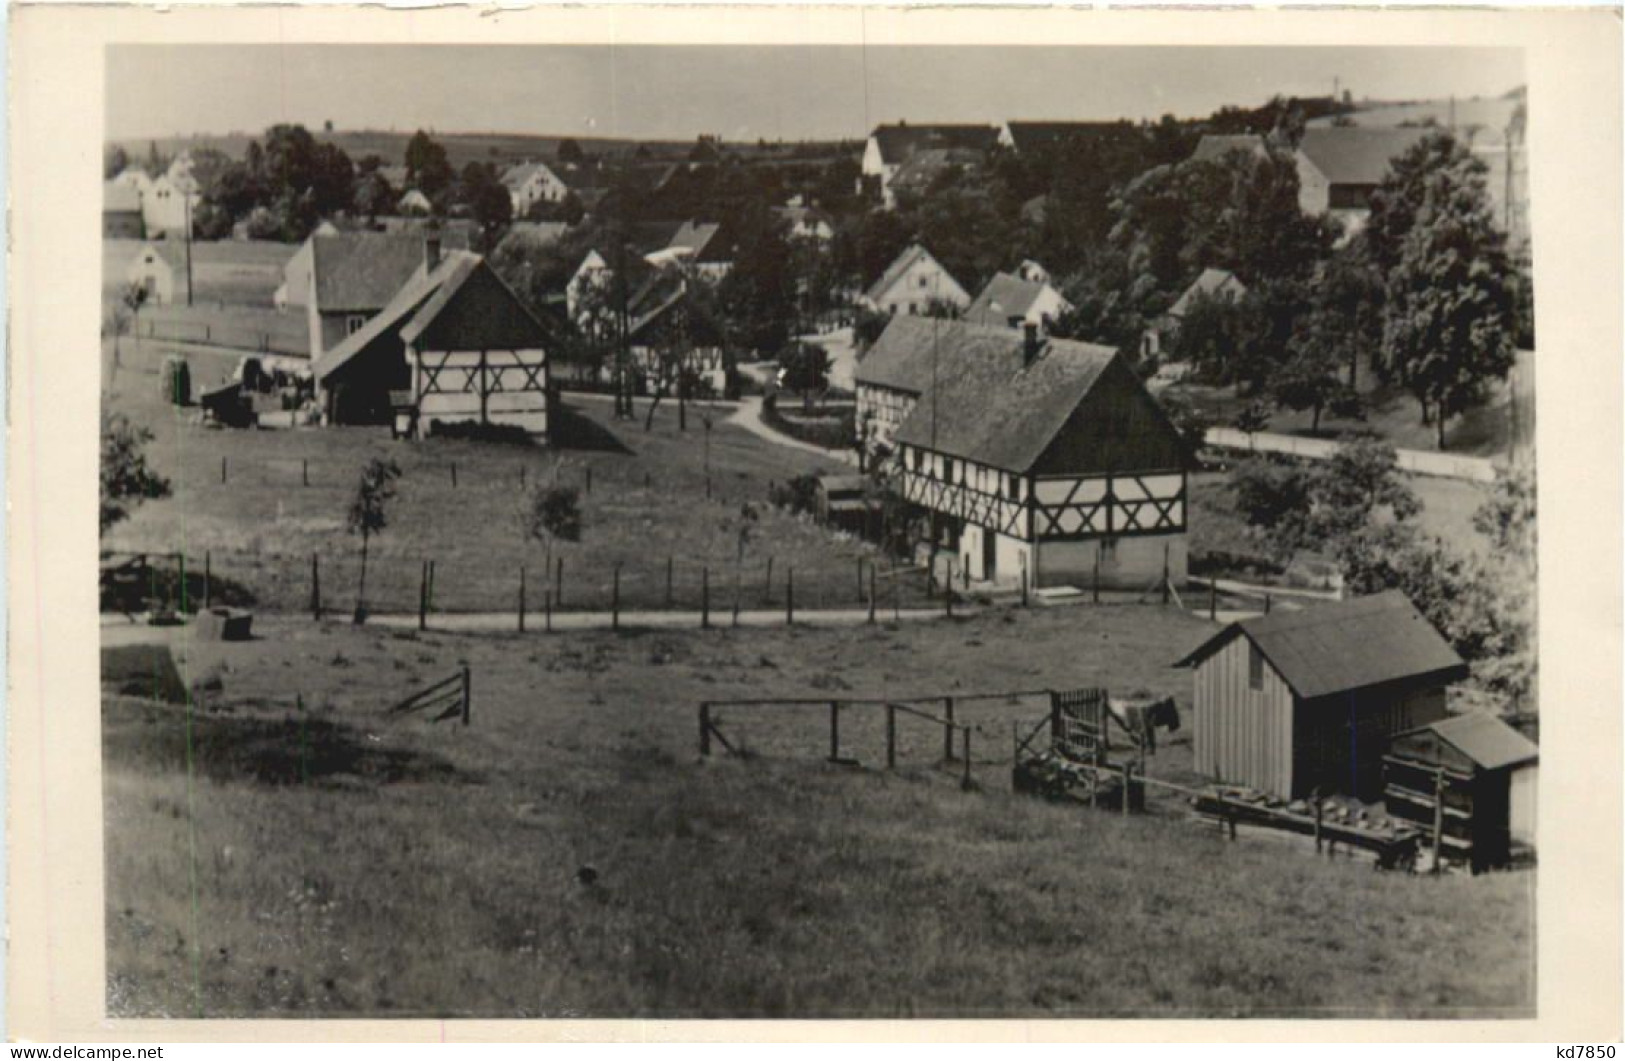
570	854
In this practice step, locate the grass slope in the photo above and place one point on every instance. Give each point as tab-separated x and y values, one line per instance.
351	862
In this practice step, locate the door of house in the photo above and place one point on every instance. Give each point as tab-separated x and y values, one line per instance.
990	553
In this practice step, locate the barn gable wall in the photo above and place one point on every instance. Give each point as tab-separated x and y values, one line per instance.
1117	427
482	315
1243	736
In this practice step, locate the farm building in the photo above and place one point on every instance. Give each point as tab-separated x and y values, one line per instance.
414	204
913	284
1297	700
168	206
530	183
454	344
1035	457
1212	284
1485	773
668	333
160	270
890	146
341	279
121	211
1011	301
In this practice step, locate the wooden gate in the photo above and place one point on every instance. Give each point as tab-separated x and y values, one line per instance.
1078	719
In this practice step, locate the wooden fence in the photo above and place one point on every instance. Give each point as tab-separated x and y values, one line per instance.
450	698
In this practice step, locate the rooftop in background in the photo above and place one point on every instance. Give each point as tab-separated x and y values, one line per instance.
1355	155
1004	297
898	142
1346	645
1486	740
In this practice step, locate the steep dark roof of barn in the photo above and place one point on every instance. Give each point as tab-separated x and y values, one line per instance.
898	142
1345	645
362	271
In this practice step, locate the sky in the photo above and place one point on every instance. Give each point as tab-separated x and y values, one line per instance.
787	92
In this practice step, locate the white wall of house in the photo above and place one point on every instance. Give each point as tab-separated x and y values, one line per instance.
519	401
1126	562
883	411
1525	783
151	271
1314	190
164	208
925	281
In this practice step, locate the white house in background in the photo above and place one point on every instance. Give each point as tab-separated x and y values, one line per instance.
530	183
913	283
591	275
1012	301
135	177
890	146
1213	284
294	291
167	208
415	204
160	269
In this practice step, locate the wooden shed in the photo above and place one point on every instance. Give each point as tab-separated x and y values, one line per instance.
1298	700
1470	779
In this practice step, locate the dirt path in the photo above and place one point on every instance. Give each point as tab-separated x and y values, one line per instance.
749	417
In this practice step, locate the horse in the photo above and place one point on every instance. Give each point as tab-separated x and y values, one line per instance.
1140	719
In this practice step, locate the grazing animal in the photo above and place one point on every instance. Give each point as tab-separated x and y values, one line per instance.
1141	719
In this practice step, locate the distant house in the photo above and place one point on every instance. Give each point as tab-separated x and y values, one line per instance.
1338	166
593	274
532	234
919	173
668	336
414	204
1293	701
913	283
134	177
1011	301
530	183
889	146
1219	284
1029	137
159	269
699	246
1032	458
166	209
121	212
453	344
805	223
341	279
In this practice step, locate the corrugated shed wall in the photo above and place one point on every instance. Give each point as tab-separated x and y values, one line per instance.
1243	735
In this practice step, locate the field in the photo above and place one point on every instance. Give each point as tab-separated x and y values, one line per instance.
570	854
457	505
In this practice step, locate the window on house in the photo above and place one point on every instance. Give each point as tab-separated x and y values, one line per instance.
948	470
1015	488
911	312
925	281
354	323
1255	667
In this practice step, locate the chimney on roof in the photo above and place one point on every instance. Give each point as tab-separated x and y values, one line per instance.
1030	343
431	250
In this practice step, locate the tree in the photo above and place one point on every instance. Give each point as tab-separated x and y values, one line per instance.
1447	328
114	162
550	511
1507	516
369	515
1253	418
1310	380
427	168
1209	337
570	152
133	298
373	195
806	369
487	197
332	179
1325	505
126	478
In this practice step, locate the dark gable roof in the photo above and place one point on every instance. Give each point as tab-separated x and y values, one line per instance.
362	271
1346	645
1210	283
386	323
1005	296
988	405
898	142
1484	739
925	166
120	198
912	253
1356	155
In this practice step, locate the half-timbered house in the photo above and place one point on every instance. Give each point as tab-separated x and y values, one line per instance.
1293	701
1032	457
455	344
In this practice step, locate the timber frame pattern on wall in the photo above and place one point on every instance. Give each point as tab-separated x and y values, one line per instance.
1059	508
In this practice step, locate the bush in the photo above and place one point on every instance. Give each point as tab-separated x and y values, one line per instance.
797	495
837	432
474	431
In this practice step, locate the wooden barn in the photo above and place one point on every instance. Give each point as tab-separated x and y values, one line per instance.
455	344
1297	700
1032	457
1469	779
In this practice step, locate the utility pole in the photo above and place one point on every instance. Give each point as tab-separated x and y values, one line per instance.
186	197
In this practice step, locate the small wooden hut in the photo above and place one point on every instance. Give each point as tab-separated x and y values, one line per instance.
1469	780
1293	701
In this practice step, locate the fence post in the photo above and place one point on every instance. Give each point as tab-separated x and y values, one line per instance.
948	591
1319	814
1266	604
547	606
871	593
1438	819
558	583
423	597
896	608
1024	585
615	599
1166	585
948	729
180	565
315	586
521	598
222	469
891	737
834	730
705	728
965	782
1095	583
668	581
208	578
467	692
789	595
1128	784
860	580
431	585
705	598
